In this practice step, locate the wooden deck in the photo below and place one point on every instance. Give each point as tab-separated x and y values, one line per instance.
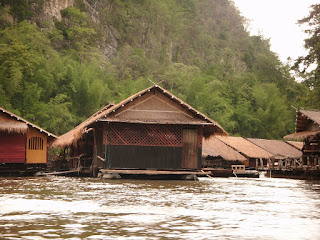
154	172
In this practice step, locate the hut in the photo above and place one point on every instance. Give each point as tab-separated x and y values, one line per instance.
308	130
152	129
285	156
23	145
216	154
257	157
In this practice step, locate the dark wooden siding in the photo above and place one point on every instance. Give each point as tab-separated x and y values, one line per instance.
150	146
143	157
12	148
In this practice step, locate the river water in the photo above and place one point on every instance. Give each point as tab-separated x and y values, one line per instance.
212	208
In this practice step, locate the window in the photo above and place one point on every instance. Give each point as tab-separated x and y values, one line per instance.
35	143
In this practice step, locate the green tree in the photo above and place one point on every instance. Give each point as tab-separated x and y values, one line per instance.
312	59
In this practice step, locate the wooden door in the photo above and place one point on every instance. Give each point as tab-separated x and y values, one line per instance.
190	149
36	151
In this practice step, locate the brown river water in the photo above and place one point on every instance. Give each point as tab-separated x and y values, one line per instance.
212	208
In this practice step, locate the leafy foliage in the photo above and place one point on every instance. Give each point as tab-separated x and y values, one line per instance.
312	44
58	76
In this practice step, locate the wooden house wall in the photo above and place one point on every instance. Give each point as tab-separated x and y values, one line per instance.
12	148
147	146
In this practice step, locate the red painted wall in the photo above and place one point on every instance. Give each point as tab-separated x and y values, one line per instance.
12	148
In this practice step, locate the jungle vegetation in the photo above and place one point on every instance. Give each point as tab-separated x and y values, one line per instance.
56	74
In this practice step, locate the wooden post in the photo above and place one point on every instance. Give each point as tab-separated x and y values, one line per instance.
94	166
280	164
94	160
285	163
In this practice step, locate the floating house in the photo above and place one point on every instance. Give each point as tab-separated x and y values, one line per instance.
308	130
152	129
23	145
285	156
217	154
256	156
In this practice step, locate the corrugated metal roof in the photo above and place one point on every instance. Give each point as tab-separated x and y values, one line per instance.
245	147
277	147
215	148
314	115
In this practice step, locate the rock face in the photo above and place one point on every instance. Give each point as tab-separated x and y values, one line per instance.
49	12
111	37
52	8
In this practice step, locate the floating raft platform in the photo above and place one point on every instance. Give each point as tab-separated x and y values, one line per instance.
151	174
302	174
221	172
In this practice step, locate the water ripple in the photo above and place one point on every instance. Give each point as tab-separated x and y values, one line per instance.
221	208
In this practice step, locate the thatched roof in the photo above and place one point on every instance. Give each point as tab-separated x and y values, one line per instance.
75	134
210	127
299	136
278	148
307	125
313	115
11	123
297	145
216	148
245	147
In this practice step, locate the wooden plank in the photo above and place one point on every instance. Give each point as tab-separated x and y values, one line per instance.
190	149
154	172
58	173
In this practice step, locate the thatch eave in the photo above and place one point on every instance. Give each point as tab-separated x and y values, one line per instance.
300	136
13	127
11	123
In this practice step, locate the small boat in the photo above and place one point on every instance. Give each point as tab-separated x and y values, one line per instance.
241	171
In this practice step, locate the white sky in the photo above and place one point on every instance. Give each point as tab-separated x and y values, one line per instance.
277	20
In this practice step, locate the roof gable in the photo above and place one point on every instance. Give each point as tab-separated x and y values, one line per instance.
313	115
155	107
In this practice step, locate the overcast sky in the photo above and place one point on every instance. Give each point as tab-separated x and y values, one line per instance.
277	20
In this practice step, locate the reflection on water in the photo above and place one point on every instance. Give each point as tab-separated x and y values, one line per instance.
221	208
